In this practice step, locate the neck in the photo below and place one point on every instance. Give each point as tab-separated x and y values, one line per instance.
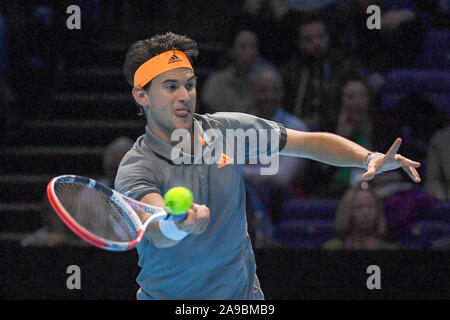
164	136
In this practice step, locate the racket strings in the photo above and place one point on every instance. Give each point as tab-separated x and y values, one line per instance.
96	212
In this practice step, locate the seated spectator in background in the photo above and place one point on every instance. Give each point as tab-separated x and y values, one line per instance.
437	178
266	193
229	89
312	74
394	46
354	122
54	231
268	18
360	222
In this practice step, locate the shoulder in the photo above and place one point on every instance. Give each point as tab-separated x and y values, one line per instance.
240	120
225	119
139	160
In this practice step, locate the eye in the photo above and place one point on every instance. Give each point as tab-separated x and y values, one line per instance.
172	87
190	85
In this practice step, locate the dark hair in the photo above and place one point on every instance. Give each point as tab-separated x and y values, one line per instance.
346	78
297	19
345	210
143	50
343	81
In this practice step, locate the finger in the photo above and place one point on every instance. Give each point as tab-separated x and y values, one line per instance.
412	173
203	212
190	218
369	174
394	148
407	162
416	174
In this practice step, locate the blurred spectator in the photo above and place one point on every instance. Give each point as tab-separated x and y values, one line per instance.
360	222
268	19
313	73
266	193
354	122
396	44
54	231
229	89
437	178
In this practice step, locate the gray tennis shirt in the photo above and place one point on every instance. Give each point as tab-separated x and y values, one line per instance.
219	263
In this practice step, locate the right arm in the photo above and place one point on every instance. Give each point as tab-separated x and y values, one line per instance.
195	223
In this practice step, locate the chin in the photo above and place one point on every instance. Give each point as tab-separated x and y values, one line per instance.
183	123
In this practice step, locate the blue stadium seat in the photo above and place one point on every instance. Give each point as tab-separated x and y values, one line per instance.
433	85
309	209
423	233
305	234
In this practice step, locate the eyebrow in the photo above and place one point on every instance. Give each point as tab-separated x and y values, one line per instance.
176	81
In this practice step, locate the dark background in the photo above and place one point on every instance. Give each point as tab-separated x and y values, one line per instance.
285	274
67	108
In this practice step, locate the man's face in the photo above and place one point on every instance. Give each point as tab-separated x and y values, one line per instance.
314	39
267	93
172	98
245	49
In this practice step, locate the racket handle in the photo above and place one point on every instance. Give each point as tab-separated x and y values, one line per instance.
177	217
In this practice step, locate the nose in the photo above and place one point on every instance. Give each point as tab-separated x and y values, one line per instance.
183	94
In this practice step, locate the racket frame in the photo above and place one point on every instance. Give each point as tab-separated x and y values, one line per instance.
129	205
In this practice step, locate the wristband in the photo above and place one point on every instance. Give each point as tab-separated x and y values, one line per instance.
169	229
369	157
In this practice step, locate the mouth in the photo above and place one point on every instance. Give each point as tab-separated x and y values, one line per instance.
182	112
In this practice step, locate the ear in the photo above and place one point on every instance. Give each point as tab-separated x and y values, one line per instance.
140	96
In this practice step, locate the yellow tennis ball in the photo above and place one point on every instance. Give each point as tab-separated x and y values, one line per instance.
178	199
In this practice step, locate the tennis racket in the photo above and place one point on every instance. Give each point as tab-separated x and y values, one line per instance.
101	216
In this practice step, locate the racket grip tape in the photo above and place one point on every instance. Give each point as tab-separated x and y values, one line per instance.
176	217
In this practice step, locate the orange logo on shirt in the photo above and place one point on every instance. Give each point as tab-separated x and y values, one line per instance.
224	160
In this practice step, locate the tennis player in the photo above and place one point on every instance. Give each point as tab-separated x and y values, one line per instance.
208	255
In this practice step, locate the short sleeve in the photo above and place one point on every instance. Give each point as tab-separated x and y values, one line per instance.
134	178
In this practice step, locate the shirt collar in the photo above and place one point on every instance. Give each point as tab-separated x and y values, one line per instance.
203	140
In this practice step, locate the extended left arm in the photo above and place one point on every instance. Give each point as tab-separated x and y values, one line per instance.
339	151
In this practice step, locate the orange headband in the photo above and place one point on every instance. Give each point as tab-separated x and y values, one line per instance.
161	63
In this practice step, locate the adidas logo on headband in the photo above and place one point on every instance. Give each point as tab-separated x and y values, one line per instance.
174	59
